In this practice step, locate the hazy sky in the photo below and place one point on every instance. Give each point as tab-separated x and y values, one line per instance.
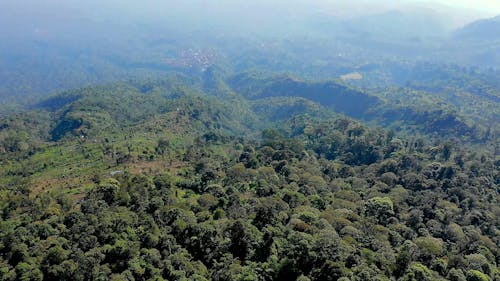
488	6
475	7
491	7
460	11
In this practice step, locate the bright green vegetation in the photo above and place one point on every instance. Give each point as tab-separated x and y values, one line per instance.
248	177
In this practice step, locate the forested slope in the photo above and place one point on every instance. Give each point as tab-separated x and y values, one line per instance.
158	180
400	109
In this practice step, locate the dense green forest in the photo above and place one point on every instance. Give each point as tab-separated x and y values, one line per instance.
246	177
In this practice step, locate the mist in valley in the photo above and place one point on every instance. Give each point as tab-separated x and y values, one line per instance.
52	45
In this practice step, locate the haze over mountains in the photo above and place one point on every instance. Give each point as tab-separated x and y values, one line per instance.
486	29
95	42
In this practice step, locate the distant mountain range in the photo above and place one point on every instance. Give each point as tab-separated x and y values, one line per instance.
485	29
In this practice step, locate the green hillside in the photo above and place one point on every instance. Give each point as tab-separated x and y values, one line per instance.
245	178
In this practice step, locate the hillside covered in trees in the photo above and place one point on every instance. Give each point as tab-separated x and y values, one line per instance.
245	178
